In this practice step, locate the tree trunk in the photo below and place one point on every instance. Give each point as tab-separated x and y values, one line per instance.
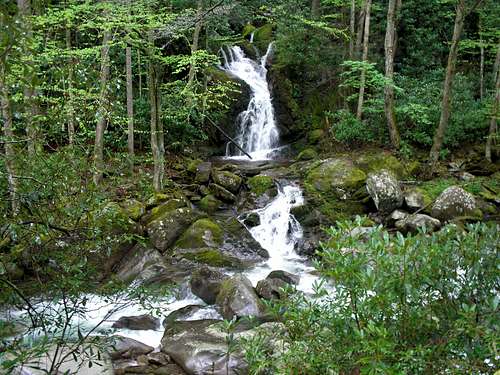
390	52
359	34
481	62
71	108
316	8
9	148
196	38
366	35
102	115
494	115
496	64
157	142
130	106
448	82
352	30
24	8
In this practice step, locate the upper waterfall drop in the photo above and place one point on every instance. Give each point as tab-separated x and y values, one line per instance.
257	129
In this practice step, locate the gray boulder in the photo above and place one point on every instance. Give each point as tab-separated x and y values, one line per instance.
384	189
412	223
287	277
205	283
222	193
454	202
124	347
227	180
395	216
271	288
237	298
141	322
416	199
137	261
182	314
203	172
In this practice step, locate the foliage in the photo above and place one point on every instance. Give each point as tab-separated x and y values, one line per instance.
394	305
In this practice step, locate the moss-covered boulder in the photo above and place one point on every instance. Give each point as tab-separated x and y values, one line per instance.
203	172
113	219
307	154
202	233
134	209
210	204
454	203
376	161
163	208
237	298
166	229
337	176
314	136
260	184
222	193
193	165
263	36
227	180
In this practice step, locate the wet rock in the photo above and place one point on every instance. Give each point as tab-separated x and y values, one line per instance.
181	314
271	288
141	322
208	255
202	233
384	189
337	176
205	283
287	277
454	202
260	184
203	172
252	220
413	223
239	243
227	180
124	347
416	199
170	369
159	359
237	298
164	231
222	193
210	204
138	259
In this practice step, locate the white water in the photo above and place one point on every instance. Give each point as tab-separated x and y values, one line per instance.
258	133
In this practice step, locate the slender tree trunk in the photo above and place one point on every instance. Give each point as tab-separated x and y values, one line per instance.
481	62
316	9
130	106
196	38
71	108
157	142
24	8
359	34
352	30
390	52
496	64
102	115
9	147
448	82
494	115
359	113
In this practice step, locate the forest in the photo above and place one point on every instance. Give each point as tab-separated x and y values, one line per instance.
230	187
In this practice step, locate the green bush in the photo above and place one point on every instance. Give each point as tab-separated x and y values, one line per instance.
425	304
348	129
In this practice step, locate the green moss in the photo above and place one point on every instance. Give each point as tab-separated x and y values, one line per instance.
336	174
315	136
263	36
209	256
435	187
201	233
134	209
260	184
374	162
307	154
193	165
247	30
158	212
210	204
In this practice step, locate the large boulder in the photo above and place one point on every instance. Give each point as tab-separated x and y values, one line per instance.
210	204
287	277
138	259
202	233
336	176
206	283
227	180
384	189
454	202
165	230
182	314
271	288
124	347
413	223
141	322
134	209
237	298
222	193
374	162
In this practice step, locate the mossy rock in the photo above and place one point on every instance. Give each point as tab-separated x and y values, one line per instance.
374	162
314	136
209	256
134	209
193	165
307	154
263	36
260	184
248	29
336	175
113	218
222	193
156	199
210	204
202	233
170	205
227	180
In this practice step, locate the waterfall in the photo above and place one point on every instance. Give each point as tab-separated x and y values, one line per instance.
257	129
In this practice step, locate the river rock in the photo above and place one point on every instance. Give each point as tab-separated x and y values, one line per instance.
164	231
205	283
287	277
203	172
395	216
141	322
222	193
271	288
227	180
138	259
384	189
237	298
252	220
202	233
210	204
416	199
454	202
182	314
124	347
412	223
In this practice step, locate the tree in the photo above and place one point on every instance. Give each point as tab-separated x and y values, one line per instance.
366	35
352	30
390	52
461	13
102	109
315	8
196	38
494	113
71	100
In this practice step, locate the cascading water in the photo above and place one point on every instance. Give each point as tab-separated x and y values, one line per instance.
258	133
